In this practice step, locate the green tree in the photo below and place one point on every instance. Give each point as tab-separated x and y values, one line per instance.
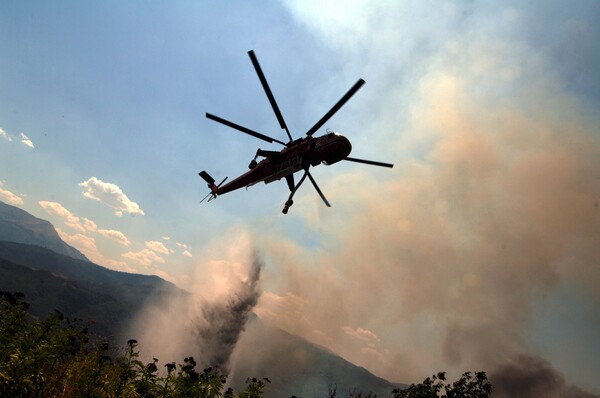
468	386
55	358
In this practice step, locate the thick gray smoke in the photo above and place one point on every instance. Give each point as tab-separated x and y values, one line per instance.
531	377
207	322
223	322
444	262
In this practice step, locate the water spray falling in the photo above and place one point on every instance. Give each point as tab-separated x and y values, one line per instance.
224	321
205	323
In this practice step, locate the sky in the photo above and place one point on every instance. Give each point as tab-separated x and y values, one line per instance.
481	246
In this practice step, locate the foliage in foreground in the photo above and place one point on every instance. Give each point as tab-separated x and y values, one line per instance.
55	358
468	386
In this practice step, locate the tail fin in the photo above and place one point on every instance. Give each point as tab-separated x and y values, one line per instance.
214	189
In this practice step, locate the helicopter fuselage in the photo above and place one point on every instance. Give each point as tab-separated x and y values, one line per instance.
299	155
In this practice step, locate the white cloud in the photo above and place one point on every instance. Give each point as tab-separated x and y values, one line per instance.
89	224
186	249
379	358
84	243
25	140
87	245
166	276
288	312
5	135
69	219
9	196
145	257
111	195
157	247
361	334
116	236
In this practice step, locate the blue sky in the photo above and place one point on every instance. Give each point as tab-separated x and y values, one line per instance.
488	111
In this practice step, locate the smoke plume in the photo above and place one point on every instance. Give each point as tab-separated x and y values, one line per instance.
530	377
442	264
206	323
224	321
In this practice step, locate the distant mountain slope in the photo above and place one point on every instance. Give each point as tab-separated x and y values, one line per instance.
17	225
78	288
46	292
30	263
297	367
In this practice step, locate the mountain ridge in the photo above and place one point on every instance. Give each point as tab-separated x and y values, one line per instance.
110	299
17	225
106	298
302	368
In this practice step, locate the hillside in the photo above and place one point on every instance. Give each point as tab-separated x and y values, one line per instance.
298	367
17	225
109	300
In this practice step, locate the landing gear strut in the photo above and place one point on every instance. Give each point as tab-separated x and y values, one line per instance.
290	202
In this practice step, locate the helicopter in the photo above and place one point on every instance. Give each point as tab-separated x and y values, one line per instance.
297	155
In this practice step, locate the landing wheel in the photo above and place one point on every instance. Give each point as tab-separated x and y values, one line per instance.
252	164
288	204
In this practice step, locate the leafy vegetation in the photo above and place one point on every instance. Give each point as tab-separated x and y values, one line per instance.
56	358
468	386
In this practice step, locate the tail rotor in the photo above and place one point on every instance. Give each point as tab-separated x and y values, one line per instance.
214	189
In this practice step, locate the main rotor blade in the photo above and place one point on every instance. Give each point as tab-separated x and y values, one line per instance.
371	162
336	107
317	188
243	129
267	89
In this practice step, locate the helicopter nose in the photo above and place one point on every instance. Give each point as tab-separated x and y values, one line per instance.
335	148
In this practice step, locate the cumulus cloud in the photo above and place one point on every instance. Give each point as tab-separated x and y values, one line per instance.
111	195
116	236
9	196
166	276
144	257
157	247
364	335
186	249
284	309
26	141
87	245
88	224
5	135
68	218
